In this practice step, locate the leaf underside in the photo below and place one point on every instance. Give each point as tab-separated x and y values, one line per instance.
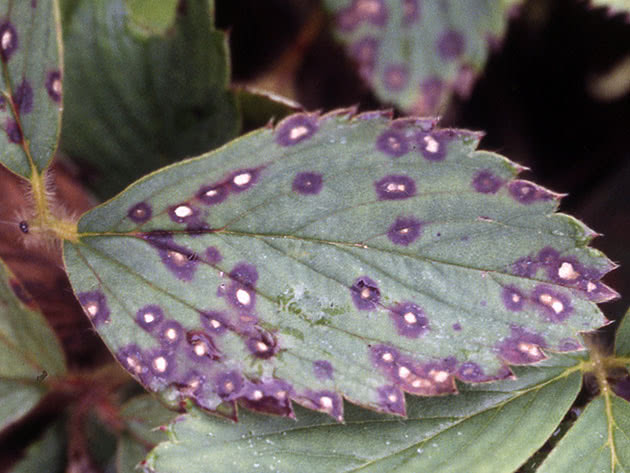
136	101
486	428
332	257
416	54
30	84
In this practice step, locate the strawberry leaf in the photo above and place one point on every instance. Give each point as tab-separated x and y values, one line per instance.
334	257
416	54
30	103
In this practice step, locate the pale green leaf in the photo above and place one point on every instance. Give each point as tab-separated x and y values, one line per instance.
47	454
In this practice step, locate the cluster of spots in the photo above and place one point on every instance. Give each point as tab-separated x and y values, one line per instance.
409	319
431	144
555	305
395	187
95	306
269	396
450	45
486	182
365	293
296	129
308	183
237	182
404	231
566	271
179	260
521	347
428	379
325	401
526	192
362	11
323	369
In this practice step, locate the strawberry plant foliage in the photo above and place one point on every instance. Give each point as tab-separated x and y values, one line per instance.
414	53
334	257
30	85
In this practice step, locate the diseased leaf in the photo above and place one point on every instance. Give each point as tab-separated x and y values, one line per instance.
334	256
143	416
416	54
136	101
30	103
598	441
490	428
48	454
29	351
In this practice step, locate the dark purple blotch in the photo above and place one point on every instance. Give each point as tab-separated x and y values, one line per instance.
191	383
513	299
621	387
213	255
8	41
296	129
471	372
213	194
395	187
270	397
526	192
53	79
94	301
525	267
215	322
364	52
201	347
556	305
308	183
229	385
326	401
156	315
411	12
171	333
244	277
23	97
365	293
392	143
392	400
522	347
457	326
404	231
181	261
433	145
133	360
236	185
548	256
450	45
262	344
486	182
384	357
323	369
13	130
396	77
409	319
140	212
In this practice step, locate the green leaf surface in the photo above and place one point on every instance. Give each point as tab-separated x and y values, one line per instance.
143	416
259	107
622	337
416	54
16	400
30	83
48	454
136	101
334	256
490	428
599	441
152	17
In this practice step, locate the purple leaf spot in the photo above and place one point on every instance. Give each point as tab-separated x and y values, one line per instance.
270	397
8	41
161	363
373	11
243	179
557	306
486	182
471	372
522	347
392	400
323	369
150	317
457	327
513	299
396	77
384	357
392	143
450	45
182	213
411	12
548	256
13	130
526	192
395	187
241	292
229	385
431	95
404	231
213	194
53	85
140	213
171	333
201	347
132	359
409	319
262	344
23	97
432	145
525	267
365	293
213	255
308	183
95	307
215	322
324	401
364	53
179	260
296	129
569	344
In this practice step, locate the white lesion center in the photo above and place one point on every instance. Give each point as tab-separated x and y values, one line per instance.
160	364
393	187
410	318
387	357
262	347
200	349
242	179
403	372
183	211
552	302
257	395
243	297
179	259
56	86
567	271
439	376
215	323
92	308
148	317
7	39
326	402
365	293
431	144
298	132
171	334
134	364
368	7
392	398
530	349
394	143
